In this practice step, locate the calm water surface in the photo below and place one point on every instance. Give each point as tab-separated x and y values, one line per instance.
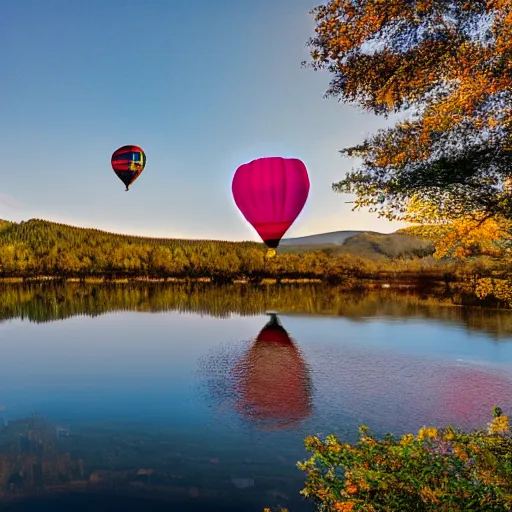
189	397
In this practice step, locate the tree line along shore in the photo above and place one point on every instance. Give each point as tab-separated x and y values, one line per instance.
43	250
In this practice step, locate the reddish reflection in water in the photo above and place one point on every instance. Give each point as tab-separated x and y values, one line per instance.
396	392
272	380
464	393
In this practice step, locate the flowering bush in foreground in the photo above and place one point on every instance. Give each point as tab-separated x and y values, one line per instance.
435	470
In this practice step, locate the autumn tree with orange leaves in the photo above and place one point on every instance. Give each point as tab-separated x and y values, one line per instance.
446	66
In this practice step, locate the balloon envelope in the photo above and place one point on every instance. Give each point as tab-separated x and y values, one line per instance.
271	192
274	385
128	162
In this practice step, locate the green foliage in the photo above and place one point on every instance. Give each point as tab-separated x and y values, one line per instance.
4	224
40	247
445	65
435	470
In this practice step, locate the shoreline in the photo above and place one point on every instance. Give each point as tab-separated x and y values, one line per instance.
454	290
385	282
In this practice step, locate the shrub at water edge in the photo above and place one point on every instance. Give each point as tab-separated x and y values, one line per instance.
435	470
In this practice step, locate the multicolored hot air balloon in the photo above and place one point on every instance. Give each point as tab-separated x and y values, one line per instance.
128	162
273	382
271	192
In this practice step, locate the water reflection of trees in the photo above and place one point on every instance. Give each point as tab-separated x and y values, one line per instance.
40	467
30	457
43	466
43	302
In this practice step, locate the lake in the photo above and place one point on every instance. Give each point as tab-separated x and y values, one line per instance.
185	397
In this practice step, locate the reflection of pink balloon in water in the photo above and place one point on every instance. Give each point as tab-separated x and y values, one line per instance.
273	380
270	193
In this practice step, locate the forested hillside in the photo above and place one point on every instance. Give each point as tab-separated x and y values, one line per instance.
38	247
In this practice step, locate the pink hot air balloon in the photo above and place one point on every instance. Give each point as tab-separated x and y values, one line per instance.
270	193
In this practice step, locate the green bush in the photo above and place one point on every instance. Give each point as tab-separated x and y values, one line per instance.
435	470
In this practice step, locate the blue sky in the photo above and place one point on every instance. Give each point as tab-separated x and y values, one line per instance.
201	86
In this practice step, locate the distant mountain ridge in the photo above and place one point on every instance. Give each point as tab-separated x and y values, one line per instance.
331	238
367	244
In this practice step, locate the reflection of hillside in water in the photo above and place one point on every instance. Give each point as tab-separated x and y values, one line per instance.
43	302
43	467
29	457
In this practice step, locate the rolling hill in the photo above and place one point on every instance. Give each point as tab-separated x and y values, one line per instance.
367	244
332	238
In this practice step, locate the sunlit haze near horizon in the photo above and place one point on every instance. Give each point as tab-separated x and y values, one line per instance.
201	86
